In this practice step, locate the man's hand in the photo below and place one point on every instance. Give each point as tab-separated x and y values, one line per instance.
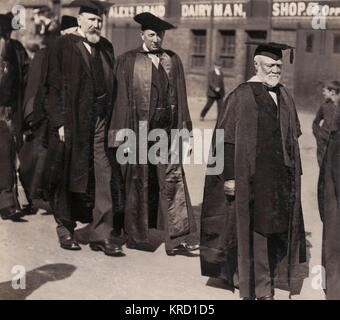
217	89
61	132
229	187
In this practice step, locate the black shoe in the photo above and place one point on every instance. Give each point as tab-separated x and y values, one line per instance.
142	246
183	249
15	216
108	247
68	243
28	211
266	298
201	118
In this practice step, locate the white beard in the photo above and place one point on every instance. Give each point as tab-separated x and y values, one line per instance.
271	81
268	79
93	37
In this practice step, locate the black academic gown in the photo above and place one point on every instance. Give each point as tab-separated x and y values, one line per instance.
227	225
12	84
7	167
134	103
329	207
21	63
34	150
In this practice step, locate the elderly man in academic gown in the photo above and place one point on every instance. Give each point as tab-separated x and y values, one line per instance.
13	68
252	226
329	198
151	90
81	89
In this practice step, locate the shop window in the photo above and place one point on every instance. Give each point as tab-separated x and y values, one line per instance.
227	48
336	43
199	48
309	42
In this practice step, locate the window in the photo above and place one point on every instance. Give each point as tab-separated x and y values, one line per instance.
336	43
309	42
199	48
227	48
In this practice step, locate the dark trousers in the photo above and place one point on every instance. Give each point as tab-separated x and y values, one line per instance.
269	250
9	200
102	214
208	105
159	175
8	184
102	224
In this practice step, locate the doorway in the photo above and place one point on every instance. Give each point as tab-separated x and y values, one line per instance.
258	36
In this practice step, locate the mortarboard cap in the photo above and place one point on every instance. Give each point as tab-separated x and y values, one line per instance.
272	50
10	17
148	21
68	22
91	6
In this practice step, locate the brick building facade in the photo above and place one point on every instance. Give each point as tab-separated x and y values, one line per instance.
209	29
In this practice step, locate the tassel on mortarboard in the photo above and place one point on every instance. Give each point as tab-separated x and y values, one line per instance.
291	56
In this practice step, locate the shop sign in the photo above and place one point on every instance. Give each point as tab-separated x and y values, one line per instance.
305	8
129	11
216	10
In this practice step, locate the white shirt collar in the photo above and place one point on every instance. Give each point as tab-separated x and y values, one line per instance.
254	79
217	71
145	48
154	58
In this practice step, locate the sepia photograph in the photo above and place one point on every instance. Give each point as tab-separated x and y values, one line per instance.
184	151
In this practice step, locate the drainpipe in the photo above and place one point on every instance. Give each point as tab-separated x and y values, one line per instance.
211	33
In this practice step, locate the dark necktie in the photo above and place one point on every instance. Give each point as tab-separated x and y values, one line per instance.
272	89
157	53
94	46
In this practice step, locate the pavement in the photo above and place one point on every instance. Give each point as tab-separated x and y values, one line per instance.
53	273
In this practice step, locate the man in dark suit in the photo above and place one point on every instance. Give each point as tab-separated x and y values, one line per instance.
81	88
215	89
322	122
